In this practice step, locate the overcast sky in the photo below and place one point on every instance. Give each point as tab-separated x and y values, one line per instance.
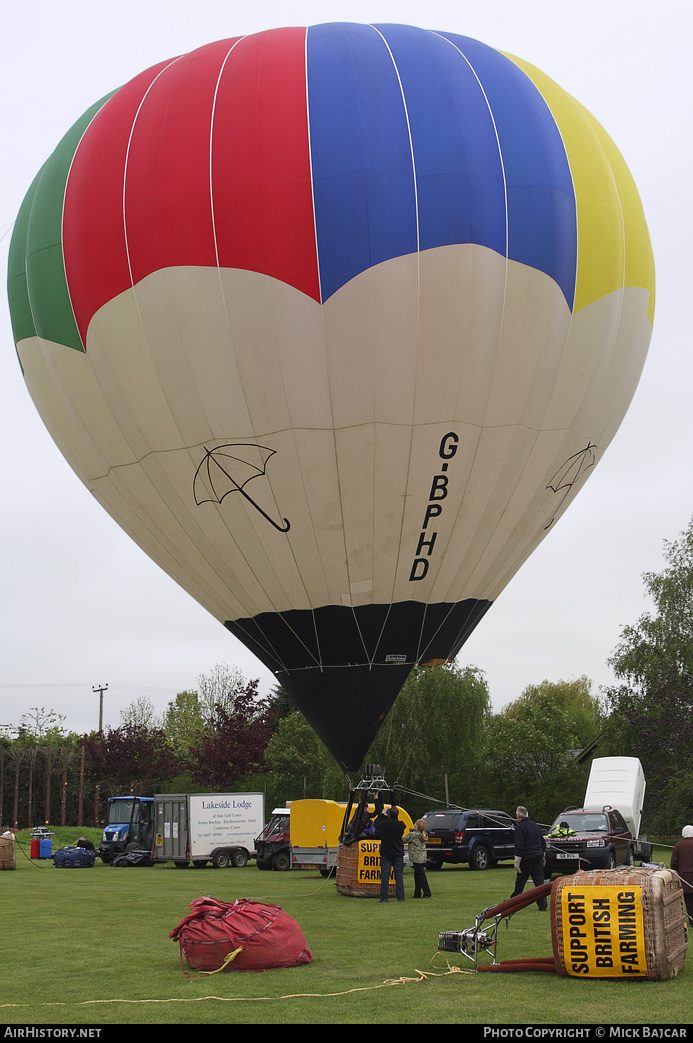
82	606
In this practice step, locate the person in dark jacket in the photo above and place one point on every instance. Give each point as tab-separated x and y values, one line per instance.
529	855
389	829
682	864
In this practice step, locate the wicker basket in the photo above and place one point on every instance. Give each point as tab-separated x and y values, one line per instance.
8	858
619	923
358	870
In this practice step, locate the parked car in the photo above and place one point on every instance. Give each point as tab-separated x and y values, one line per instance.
480	837
273	845
582	838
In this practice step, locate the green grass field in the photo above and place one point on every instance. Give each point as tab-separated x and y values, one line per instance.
92	947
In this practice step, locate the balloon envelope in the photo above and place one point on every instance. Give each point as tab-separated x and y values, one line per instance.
335	322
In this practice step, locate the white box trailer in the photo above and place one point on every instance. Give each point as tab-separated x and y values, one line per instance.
619	782
207	827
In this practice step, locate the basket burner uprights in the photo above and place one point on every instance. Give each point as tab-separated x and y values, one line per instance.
371	789
473	942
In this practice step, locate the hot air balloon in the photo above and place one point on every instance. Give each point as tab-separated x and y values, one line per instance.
335	322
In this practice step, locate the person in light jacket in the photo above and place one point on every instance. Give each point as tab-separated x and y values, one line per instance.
416	842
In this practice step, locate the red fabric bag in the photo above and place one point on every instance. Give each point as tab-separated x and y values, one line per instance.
239	936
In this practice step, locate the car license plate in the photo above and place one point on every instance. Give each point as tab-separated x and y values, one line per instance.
566	854
434	840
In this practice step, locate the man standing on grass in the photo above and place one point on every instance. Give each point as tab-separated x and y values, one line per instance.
390	830
529	855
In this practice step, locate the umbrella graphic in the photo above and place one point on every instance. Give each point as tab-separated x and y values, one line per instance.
228	469
569	472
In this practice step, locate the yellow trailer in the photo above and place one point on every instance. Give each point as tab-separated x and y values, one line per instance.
316	826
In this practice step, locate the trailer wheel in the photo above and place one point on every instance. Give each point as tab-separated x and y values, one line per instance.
221	860
199	864
281	861
181	865
645	852
239	858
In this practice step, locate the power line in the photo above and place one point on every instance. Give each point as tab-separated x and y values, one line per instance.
42	684
84	684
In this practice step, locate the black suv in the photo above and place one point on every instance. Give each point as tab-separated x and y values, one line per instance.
480	837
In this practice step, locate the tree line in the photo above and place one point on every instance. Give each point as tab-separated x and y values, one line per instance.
440	744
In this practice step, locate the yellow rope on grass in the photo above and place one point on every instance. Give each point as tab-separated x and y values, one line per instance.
422	977
227	960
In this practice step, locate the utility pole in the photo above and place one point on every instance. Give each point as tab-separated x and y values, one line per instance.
100	689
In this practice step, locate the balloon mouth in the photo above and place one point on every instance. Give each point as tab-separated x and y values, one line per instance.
343	667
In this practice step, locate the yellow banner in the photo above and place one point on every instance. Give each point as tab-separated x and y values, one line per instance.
369	863
603	931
